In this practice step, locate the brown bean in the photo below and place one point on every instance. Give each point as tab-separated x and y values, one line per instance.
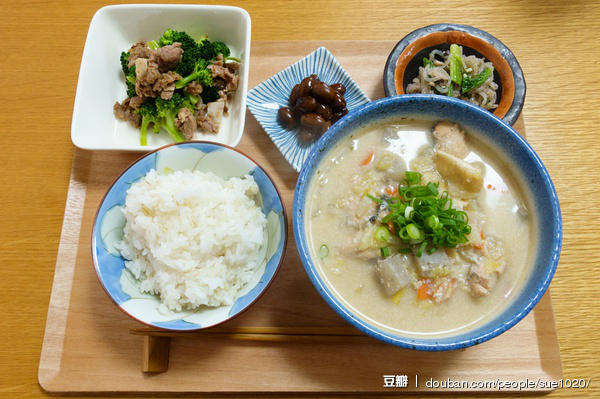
323	110
325	126
340	88
294	95
315	78
323	93
286	117
338	115
312	120
306	104
306	87
338	103
307	135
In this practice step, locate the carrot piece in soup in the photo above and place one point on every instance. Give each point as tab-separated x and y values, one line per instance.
368	159
423	292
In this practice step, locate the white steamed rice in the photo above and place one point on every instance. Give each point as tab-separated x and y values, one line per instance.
192	237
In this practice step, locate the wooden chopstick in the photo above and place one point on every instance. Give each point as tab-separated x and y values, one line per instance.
265	334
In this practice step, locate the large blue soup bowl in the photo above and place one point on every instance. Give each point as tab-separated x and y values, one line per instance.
509	148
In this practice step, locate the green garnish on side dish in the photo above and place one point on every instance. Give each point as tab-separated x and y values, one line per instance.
426	62
423	217
456	64
475	81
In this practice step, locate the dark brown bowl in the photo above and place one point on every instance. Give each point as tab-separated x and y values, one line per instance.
405	59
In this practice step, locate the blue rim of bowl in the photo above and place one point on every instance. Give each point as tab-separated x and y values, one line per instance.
516	107
260	294
429	345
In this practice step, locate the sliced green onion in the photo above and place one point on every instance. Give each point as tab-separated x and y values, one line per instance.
422	216
323	251
432	189
407	213
412	178
385	252
421	249
414	232
379	201
403	234
404	250
433	222
382	234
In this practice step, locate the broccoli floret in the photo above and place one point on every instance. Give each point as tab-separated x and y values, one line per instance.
167	110
125	62
210	94
130	81
130	88
167	38
210	50
191	50
162	113
201	74
129	73
149	114
221	48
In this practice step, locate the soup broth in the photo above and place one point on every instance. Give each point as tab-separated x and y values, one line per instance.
442	290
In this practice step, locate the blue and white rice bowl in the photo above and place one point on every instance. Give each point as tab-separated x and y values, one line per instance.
265	100
509	147
122	287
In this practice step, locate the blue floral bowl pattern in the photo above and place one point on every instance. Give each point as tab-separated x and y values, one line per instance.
510	147
265	100
123	288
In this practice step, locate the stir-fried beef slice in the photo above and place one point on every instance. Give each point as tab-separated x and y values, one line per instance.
165	84
221	72
219	60
204	122
223	75
168	57
124	111
194	88
139	50
144	81
220	83
152	83
233	66
186	123
136	101
233	84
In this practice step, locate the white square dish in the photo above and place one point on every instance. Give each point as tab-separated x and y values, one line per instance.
101	82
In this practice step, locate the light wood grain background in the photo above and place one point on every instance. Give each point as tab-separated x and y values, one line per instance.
41	44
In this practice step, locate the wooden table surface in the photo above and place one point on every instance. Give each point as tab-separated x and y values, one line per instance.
556	43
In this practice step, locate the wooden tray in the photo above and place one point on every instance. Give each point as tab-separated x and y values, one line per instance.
88	346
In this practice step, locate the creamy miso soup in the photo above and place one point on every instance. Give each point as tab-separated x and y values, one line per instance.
392	274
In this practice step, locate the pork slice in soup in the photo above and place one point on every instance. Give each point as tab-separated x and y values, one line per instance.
411	225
